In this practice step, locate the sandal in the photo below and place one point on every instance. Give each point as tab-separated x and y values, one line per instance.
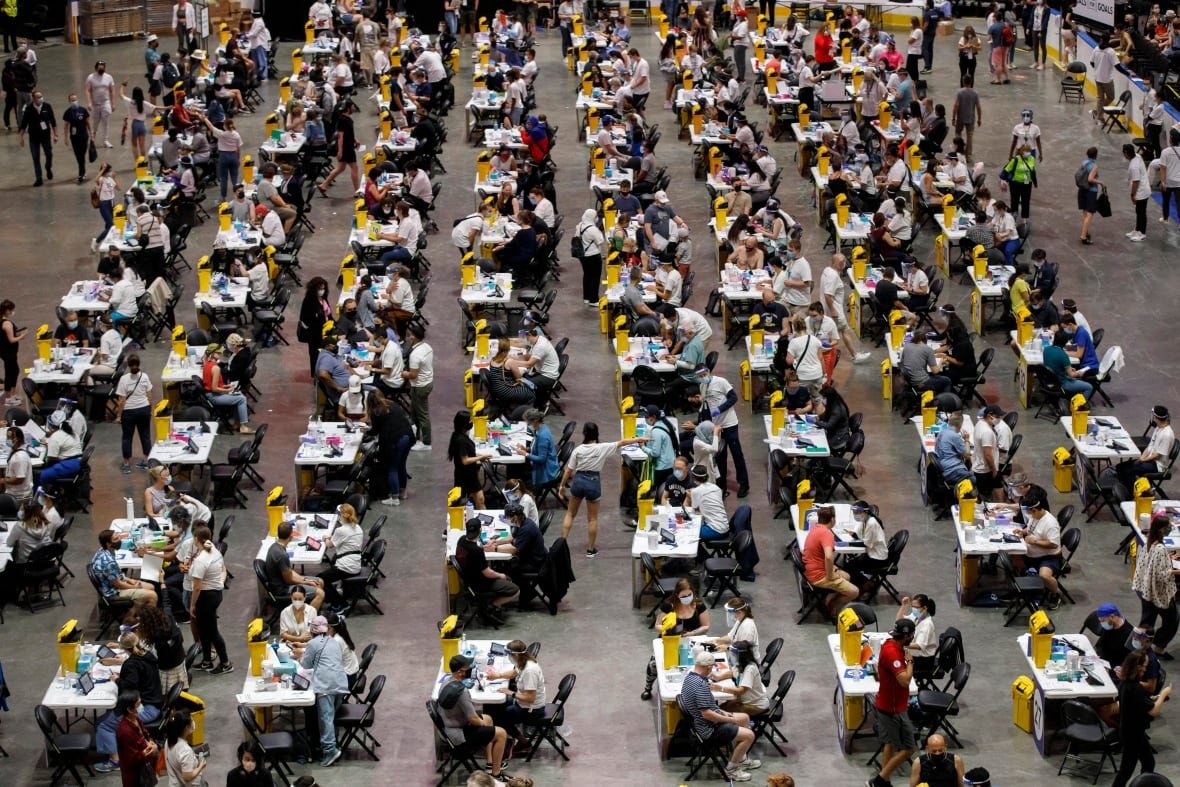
1087	241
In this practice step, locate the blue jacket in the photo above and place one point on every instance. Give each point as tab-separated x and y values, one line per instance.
325	658
543	456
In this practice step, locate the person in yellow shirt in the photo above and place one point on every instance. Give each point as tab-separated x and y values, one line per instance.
1018	288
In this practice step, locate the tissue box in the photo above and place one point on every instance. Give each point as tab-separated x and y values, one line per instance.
286	668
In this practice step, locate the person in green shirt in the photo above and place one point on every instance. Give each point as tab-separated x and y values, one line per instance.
1023	171
1056	360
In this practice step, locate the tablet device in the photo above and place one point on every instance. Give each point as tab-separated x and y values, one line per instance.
320	522
105	653
154	524
85	683
667	536
484	519
497	649
300	683
314	543
190	446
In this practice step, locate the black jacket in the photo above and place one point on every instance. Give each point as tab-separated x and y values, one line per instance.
38	124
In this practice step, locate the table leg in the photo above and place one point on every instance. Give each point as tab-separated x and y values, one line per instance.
636	574
1023	382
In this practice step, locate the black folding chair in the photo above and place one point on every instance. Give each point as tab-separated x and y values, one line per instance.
554	717
1028	593
453	756
763	724
879	579
704	750
1086	732
278	748
937	706
356	720
723	572
811	598
1071	539
65	751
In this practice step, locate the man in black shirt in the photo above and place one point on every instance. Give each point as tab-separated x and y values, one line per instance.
1112	646
526	545
69	334
886	294
38	122
494	586
1045	314
280	576
773	313
675	489
77	122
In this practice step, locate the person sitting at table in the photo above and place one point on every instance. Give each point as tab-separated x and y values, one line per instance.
139	679
707	499
526	691
674	491
515	256
748	256
479	576
951	451
346	541
738	202
375	193
224	395
920	366
1114	634
525	543
503	162
1055	358
796	398
929	184
68	334
960	175
241	209
692	617
121	298
18	474
668	281
330	371
773	313
720	728
400	295
957	356
156	496
540	366
405	237
1044	311
508	394
868	530
819	563
748	692
1042	537
461	724
295	622
886	245
31	530
1006	237
351	407
1083	350
271	225
774	223
1154	456
280	576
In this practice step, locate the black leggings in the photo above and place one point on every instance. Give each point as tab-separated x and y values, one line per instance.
1169	621
591	277
313	352
1021	197
138	418
207	604
1039	45
1169	193
330	577
1136	750
11	369
1141	215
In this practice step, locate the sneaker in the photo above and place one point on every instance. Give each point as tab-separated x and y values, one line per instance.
107	766
1053	603
591	553
142	464
390	501
1163	220
862	357
420	447
222	668
1130	234
205	666
1138	237
125	469
93	244
330	759
736	774
750	763
106	143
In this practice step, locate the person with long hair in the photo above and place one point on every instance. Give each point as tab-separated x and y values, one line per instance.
208	573
969	46
832	416
345	150
593	242
134	411
32	530
138	112
669	68
462	453
582	481
10	337
748	690
346	541
251	770
295	622
338	629
314	313
183	765
526	694
739	616
868	530
135	747
106	185
160	631
924	645
229	153
1155	584
692	615
1137	709
391	424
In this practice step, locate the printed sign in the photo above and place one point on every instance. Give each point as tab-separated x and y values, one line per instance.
1098	11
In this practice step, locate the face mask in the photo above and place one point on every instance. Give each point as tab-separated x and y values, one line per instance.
323	292
530	431
249	765
937	758
8	442
915	614
74	103
511	497
167	479
72	324
351	312
297	604
823	400
680	475
1106	625
1136	645
686	600
703	379
1024	512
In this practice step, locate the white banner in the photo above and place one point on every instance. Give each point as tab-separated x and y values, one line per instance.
1097	11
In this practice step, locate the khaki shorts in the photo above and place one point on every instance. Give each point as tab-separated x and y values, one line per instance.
135	595
366	59
842	323
839	585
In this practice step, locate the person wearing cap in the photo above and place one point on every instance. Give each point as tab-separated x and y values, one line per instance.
351	407
895	731
868	529
1042	537
1154	458
718	727
660	447
541	452
151	55
64	449
525	543
480	577
222	394
271	225
605	140
1114	634
985	453
461	723
658	219
324	657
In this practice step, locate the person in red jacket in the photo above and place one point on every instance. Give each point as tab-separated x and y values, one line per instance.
535	136
137	750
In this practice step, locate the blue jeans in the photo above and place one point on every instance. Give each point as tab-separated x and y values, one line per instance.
397	475
104	733
227	170
36	145
452	20
327	705
1009	248
258	55
106	209
233	400
1072	387
708	533
397	254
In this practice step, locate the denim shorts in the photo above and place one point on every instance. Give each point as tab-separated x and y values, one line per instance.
587	485
138	129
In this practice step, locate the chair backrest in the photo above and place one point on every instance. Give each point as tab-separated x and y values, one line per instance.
534	649
1150	780
960	675
649	565
1064	516
375	528
741	543
772	650
1077	712
47	722
950	649
897	545
226	526
1091	625
863	611
9	508
375	689
1070	541
740	521
546	521
564	689
1011	417
1006	564
1014	446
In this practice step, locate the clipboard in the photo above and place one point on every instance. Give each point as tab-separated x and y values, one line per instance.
152	569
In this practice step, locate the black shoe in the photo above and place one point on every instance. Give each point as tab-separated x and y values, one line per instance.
646	695
38	183
743	491
749	578
205	666
222	668
49	173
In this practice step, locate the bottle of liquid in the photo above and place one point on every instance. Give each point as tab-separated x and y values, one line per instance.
463	644
468	512
684	654
319	430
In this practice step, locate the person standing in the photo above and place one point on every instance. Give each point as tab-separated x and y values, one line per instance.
368	36
1170	174
77	122
1103	63
1038	35
134	410
739	37
716	401
421	376
1155	584
969	47
1140	192
1136	711
930	19
134	744
1086	179
208	575
831	286
325	658
967	112
1022	171
314	314
10	337
592	241
258	39
100	88
997	34
8	14
229	153
895	669
38	122
107	188
913	48
183	17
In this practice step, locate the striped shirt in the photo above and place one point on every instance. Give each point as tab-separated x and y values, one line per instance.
696	696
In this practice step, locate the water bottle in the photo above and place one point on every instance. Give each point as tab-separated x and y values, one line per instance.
671	523
463	644
469	511
684	654
319	430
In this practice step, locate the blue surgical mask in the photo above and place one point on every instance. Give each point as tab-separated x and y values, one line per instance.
1106	625
1136	644
680	474
72	324
915	614
686	600
8	442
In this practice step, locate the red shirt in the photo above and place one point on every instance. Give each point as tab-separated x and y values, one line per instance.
823	48
818	538
207	375
892	697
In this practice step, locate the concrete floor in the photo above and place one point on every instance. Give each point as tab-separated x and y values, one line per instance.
596	635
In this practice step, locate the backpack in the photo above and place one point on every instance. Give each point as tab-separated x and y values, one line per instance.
170	76
1009	35
577	247
1081	178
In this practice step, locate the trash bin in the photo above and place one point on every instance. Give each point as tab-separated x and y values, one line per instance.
1022	699
1062	470
196	709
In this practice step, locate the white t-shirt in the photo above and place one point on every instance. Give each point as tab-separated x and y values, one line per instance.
101	89
707	499
348	537
462	231
746	630
531	679
592	457
20	466
824	329
137	388
1026	135
351	663
342	75
674	284
422	359
208	567
641	78
805	350
288	624
1170	159
960	171
1161	443
983	437
714	395
1137	172
181	759
687	318
740	35
755	691
832	284
123	298
63	446
548	364
402	296
110	346
392	359
799	269
914	42
1103	62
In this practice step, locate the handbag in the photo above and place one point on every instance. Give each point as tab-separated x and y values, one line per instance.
92	152
94	200
1104	204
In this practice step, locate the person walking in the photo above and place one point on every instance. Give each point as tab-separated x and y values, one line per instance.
106	186
1103	63
8	80
208	574
134	410
582	480
345	150
99	88
1155	584
998	34
592	242
1136	711
967	113
76	120
1088	184
1140	191
38	122
10	337
969	46
314	314
913	48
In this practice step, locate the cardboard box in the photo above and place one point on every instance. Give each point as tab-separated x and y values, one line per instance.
946	27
